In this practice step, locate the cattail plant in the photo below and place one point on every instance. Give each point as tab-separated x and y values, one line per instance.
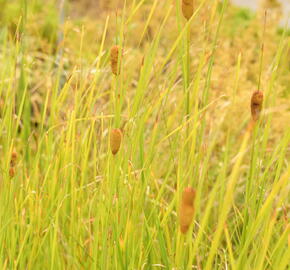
115	140
256	104
186	209
115	62
187	8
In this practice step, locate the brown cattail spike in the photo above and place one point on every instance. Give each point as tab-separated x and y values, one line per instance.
256	104
11	172
115	62
186	209
13	158
187	8
115	140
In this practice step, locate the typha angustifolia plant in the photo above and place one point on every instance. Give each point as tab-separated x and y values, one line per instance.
117	95
258	96
253	187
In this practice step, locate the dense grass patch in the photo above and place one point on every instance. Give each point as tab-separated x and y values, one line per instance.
176	113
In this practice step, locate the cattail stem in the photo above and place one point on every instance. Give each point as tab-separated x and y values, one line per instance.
188	73
116	63
187	11
262	50
187	69
118	98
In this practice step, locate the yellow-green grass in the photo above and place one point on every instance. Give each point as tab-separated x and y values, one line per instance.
183	102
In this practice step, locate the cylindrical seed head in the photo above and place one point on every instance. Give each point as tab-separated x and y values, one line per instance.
11	172
186	209
256	104
115	54
14	155
13	158
187	8
115	140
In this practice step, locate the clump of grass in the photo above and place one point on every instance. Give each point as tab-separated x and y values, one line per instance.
76	206
115	140
186	209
